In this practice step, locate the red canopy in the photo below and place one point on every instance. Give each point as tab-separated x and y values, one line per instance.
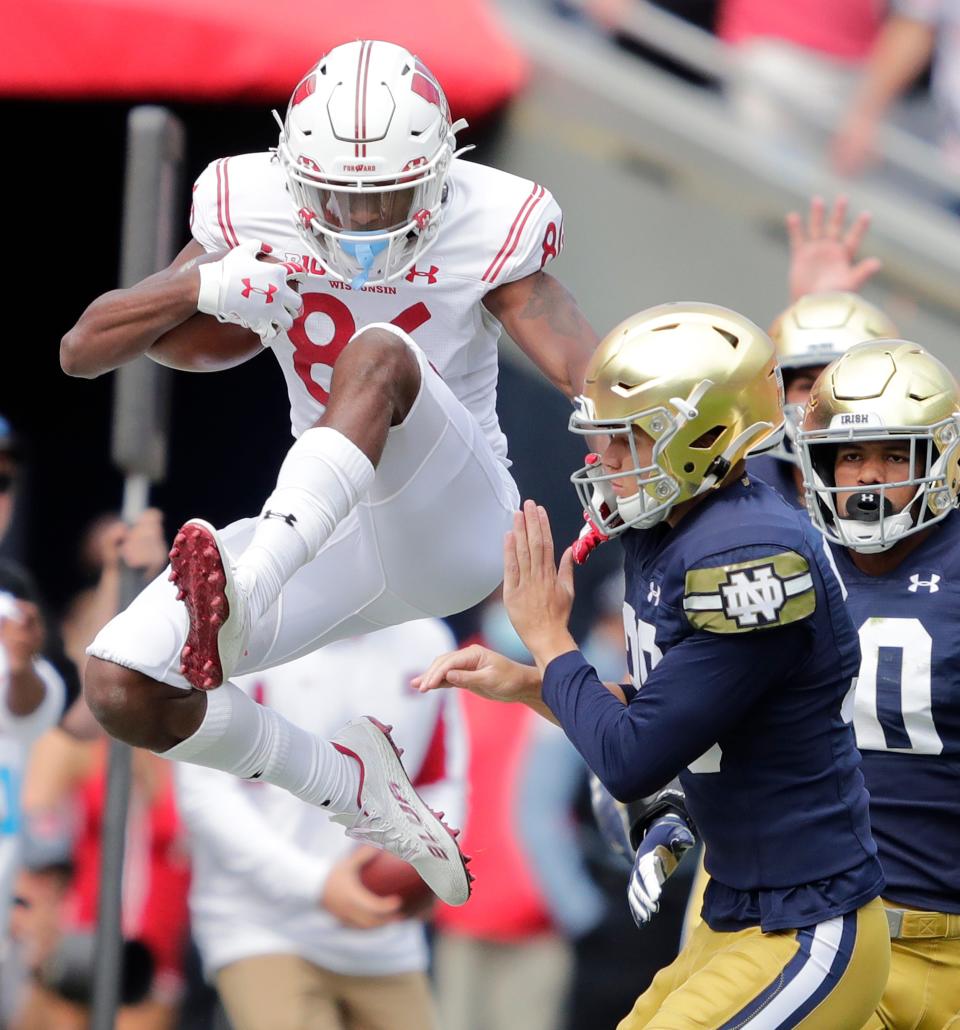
242	50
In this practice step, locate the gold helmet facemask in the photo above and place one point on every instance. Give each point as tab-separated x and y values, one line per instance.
877	392
702	382
812	332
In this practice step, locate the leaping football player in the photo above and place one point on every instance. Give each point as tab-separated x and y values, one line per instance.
392	503
880	451
741	655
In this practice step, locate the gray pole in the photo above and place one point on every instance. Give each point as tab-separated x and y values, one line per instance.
155	145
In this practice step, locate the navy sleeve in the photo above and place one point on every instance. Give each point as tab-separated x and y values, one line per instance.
697	692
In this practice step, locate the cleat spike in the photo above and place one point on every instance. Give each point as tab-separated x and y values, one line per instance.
208	683
216	621
180	539
181	594
207	666
174	576
186	652
174	553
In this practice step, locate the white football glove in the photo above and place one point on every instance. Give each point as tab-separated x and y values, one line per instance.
241	289
659	854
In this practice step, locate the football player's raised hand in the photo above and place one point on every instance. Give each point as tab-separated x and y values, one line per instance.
823	251
537	595
482	672
249	288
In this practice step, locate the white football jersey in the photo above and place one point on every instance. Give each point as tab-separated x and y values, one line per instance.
496	228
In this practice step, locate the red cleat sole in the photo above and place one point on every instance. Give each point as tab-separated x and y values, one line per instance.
197	569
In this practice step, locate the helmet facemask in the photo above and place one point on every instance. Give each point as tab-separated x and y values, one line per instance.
660	486
403	215
870	522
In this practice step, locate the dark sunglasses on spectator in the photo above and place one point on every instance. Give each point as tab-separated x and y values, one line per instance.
6	482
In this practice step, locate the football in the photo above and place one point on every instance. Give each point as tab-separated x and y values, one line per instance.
385	874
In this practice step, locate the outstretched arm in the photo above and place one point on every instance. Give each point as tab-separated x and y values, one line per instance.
900	53
545	322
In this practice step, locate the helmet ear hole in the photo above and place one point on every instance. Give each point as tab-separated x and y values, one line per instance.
706	440
688	467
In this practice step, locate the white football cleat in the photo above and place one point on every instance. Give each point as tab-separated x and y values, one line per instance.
394	818
218	631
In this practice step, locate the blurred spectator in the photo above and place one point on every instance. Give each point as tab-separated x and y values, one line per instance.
916	31
284	925
612	15
64	797
604	646
33	691
31	701
156	881
504	960
796	63
14	578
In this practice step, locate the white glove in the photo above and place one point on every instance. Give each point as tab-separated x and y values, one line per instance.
659	854
241	289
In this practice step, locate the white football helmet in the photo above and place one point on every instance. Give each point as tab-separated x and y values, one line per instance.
366	146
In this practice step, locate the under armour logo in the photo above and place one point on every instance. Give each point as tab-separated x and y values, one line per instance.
753	597
653	594
289	519
430	276
931	584
249	288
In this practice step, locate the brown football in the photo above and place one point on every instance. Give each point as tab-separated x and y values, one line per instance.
385	874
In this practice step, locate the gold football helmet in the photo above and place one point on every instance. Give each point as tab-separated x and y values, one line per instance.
812	332
702	382
882	390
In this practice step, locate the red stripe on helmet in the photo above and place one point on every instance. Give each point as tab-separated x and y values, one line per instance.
304	90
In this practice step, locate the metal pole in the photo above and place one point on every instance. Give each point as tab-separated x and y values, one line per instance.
155	145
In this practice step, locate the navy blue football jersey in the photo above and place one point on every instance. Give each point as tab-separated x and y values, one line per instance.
778	474
778	797
907	715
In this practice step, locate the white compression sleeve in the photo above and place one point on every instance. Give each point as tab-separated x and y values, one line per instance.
322	477
239	736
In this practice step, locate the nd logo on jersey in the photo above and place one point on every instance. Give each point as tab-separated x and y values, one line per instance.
754	597
769	591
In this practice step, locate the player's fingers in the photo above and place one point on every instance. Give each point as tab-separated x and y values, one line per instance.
546	532
796	233
511	566
815	220
521	546
436	674
565	571
860	273
531	521
838	215
856	232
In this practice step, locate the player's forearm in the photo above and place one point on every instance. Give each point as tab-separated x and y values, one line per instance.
123	324
900	54
543	318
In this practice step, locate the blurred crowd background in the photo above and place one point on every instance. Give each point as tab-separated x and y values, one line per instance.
675	135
